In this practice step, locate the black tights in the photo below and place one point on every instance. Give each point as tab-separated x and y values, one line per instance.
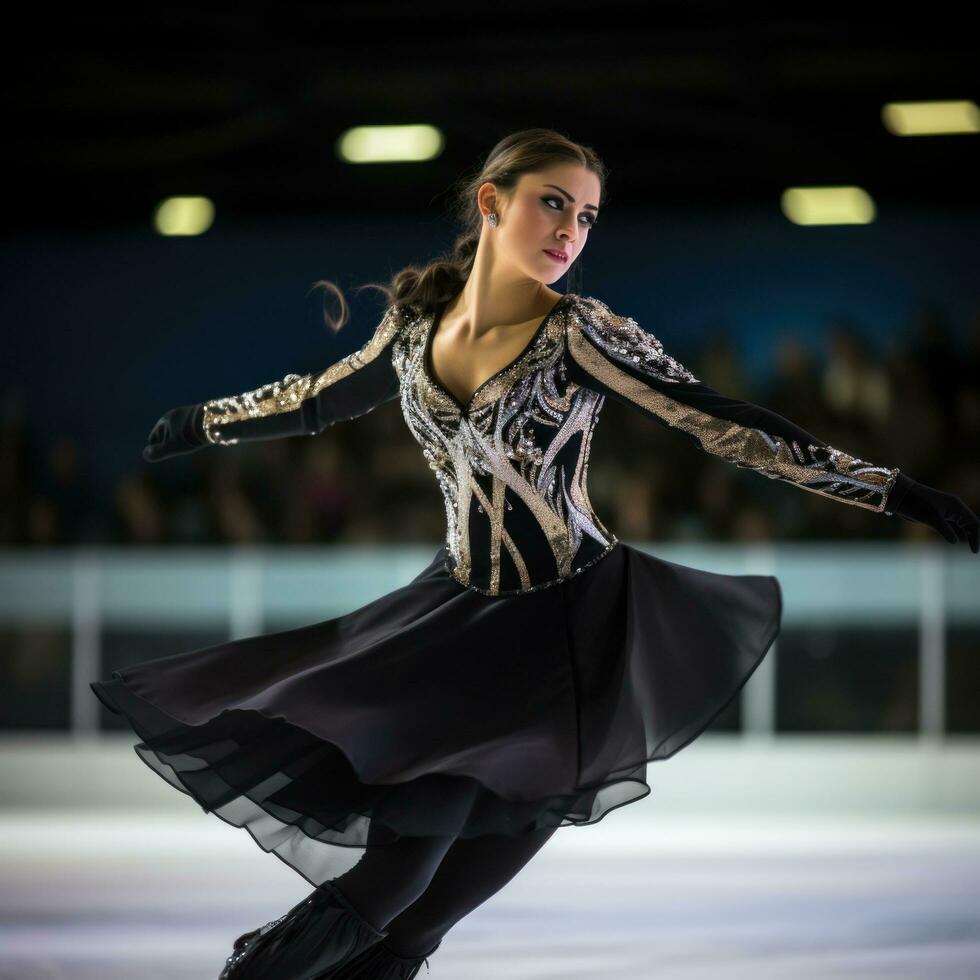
419	887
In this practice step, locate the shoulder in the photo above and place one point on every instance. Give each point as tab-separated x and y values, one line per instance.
593	314
622	339
395	321
594	317
403	320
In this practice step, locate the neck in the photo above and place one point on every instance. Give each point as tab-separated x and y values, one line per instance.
493	296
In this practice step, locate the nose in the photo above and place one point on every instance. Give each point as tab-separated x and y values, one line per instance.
568	229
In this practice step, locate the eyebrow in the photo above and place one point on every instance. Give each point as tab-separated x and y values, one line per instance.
588	207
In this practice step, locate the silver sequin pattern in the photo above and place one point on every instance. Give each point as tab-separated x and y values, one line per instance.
600	341
518	452
523	440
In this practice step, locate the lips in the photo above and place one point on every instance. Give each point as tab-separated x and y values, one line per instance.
555	254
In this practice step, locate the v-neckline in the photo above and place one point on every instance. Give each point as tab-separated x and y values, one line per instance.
430	373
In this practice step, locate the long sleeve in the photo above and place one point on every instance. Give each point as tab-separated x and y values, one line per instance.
614	356
306	405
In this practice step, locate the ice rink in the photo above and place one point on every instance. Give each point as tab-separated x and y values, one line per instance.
675	896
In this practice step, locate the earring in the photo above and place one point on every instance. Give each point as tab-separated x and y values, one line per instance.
492	218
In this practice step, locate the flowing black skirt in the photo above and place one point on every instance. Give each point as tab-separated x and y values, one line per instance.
438	710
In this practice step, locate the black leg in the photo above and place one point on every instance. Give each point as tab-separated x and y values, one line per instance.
390	877
472	870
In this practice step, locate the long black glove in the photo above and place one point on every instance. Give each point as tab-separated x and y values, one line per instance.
178	431
944	512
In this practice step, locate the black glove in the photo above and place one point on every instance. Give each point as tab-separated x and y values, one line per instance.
944	512
178	431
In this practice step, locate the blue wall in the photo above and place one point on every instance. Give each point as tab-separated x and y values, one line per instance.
105	332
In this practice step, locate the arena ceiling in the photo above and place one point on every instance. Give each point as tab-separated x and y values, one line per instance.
689	104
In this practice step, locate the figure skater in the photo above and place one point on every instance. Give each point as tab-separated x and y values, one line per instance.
525	678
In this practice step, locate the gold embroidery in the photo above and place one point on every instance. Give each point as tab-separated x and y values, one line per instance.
518	454
287	395
526	429
823	470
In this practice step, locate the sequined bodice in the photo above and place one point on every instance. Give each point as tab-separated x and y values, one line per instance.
512	464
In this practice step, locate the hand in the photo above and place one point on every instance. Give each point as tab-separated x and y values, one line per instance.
944	512
177	431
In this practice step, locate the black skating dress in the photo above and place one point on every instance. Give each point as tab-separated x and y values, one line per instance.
530	672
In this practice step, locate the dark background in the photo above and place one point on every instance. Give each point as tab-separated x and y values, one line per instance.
691	103
868	336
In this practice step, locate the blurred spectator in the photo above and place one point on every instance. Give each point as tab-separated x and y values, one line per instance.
917	406
138	513
14	487
796	383
235	515
64	482
915	431
932	349
855	389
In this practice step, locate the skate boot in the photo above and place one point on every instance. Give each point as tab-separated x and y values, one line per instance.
321	932
378	962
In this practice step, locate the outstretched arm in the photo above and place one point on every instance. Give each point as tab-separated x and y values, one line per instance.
613	355
296	405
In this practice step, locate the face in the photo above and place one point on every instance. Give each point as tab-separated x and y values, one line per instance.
551	209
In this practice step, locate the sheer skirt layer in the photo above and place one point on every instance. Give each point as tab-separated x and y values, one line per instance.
436	710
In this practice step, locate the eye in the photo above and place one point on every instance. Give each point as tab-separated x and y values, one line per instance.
589	220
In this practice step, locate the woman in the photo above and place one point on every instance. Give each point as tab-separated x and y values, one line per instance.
524	679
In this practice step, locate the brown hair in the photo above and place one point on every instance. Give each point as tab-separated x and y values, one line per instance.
523	152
